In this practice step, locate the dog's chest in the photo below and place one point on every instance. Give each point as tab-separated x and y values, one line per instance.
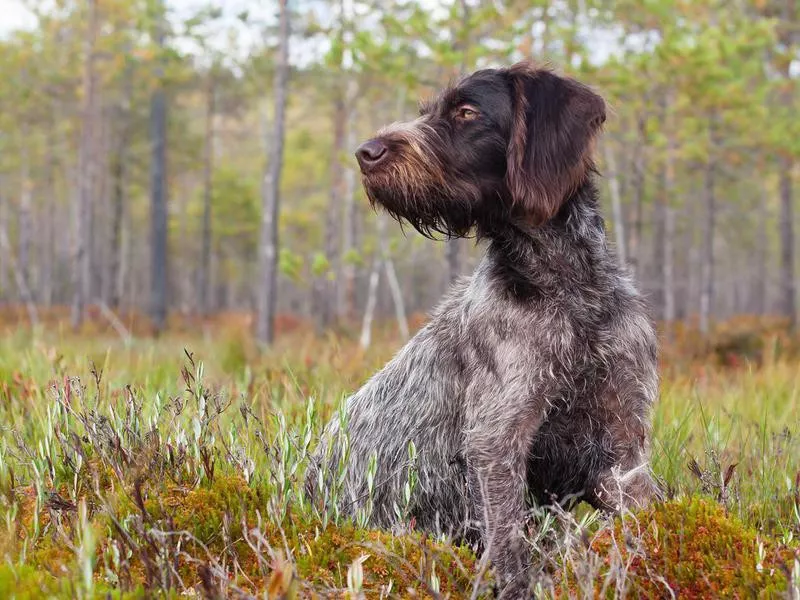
547	346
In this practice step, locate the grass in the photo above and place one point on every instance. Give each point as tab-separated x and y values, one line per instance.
137	469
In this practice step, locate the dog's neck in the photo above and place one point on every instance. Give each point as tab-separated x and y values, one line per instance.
569	249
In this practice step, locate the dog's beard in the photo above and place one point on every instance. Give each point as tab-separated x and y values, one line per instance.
414	189
430	209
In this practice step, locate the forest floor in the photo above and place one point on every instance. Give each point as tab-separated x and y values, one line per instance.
171	467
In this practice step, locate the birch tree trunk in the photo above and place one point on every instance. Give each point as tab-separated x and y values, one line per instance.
268	246
397	298
790	37
453	254
762	251
4	258
85	175
158	192
660	244
24	215
788	299
119	175
616	204
372	300
48	216
326	283
350	230
22	286
101	219
634	247
669	225
208	182
665	229
707	289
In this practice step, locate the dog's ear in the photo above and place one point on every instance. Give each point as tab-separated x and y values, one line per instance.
555	120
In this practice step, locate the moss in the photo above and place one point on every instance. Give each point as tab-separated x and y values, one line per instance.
407	562
321	557
202	510
24	582
52	557
692	546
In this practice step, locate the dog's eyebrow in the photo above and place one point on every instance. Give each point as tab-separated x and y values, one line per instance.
467	94
425	106
451	96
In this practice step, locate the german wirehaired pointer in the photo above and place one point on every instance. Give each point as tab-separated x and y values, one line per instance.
535	377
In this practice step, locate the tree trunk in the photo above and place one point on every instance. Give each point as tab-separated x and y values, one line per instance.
185	279
669	226
694	216
789	37
634	246
24	214
372	301
326	284
762	260
158	192
4	258
616	204
100	228
48	216
397	299
660	247
665	230
684	245
391	278
22	286
208	182
788	300
707	289
659	254
453	251
350	232
119	175
265	323
126	261
85	175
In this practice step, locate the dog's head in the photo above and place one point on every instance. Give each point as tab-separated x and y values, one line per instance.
502	145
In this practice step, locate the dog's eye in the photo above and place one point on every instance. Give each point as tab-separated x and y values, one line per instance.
466	113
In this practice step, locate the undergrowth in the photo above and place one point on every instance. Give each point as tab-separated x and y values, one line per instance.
151	473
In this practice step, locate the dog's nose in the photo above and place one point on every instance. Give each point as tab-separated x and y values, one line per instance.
370	154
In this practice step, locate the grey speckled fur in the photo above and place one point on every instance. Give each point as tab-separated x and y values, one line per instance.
535	376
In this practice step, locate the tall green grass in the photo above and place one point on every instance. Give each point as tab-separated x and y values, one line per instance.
174	465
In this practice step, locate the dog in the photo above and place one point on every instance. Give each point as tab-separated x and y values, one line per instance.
534	378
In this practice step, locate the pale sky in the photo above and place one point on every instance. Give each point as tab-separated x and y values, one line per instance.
14	15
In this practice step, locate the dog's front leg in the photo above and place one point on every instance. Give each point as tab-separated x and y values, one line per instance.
498	443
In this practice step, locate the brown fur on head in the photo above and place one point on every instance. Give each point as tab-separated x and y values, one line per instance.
550	149
503	146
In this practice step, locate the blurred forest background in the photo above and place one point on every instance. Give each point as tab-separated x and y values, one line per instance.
178	157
